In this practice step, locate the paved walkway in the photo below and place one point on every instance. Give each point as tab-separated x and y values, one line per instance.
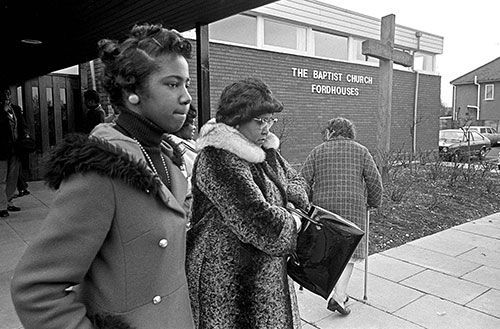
447	280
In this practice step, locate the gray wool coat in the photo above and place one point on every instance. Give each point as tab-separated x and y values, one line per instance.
115	235
241	233
344	179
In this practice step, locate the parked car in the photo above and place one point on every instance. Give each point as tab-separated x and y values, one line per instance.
488	132
458	144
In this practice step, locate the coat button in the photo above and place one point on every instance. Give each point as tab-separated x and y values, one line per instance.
163	243
156	300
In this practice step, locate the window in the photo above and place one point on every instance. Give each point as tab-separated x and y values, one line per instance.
358	52
238	29
283	35
330	45
489	92
423	62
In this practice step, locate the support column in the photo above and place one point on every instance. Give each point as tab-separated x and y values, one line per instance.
203	72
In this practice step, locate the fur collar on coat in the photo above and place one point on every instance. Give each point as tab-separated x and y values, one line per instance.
78	153
222	136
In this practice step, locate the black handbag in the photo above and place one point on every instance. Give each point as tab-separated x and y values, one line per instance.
325	244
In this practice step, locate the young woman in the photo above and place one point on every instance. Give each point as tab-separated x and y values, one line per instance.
241	231
112	248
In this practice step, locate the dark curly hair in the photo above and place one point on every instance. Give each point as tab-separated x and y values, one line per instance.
127	65
244	100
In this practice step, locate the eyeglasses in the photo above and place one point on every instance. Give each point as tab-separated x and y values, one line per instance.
265	122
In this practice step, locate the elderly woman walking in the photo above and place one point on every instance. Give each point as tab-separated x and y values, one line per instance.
241	230
344	179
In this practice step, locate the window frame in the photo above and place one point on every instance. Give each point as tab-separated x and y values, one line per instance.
302	43
315	32
254	45
492	91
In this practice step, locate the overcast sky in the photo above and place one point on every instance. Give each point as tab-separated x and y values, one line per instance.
471	30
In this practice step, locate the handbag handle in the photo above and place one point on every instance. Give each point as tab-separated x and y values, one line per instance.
305	216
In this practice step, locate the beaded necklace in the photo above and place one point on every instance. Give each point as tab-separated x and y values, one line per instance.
150	162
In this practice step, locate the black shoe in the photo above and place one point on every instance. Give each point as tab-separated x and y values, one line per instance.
4	213
334	306
13	208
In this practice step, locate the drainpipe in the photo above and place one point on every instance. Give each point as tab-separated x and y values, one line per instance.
415	109
478	96
454	116
418	34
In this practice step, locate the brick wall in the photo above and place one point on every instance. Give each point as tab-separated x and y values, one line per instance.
307	112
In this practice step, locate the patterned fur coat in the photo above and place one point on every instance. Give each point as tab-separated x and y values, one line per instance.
242	234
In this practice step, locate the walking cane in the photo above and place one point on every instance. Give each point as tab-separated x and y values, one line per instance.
367	233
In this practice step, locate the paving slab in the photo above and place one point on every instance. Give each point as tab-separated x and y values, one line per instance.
390	268
458	237
8	317
312	307
482	256
7	234
431	260
10	255
5	278
365	317
26	225
487	303
486	230
306	325
487	276
445	243
435	313
445	286
386	295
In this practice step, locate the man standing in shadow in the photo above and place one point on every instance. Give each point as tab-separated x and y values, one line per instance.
12	128
95	113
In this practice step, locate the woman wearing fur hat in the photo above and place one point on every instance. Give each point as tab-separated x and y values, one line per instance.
111	251
241	231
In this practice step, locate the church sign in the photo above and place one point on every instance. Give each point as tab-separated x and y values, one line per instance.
321	78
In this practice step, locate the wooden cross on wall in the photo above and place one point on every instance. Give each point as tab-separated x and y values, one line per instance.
387	55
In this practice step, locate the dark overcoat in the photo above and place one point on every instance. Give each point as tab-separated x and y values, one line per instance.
113	243
344	179
7	140
241	233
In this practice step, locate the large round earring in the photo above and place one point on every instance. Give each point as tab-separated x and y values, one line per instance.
133	99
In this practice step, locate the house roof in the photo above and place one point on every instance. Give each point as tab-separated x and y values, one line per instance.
489	72
69	29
